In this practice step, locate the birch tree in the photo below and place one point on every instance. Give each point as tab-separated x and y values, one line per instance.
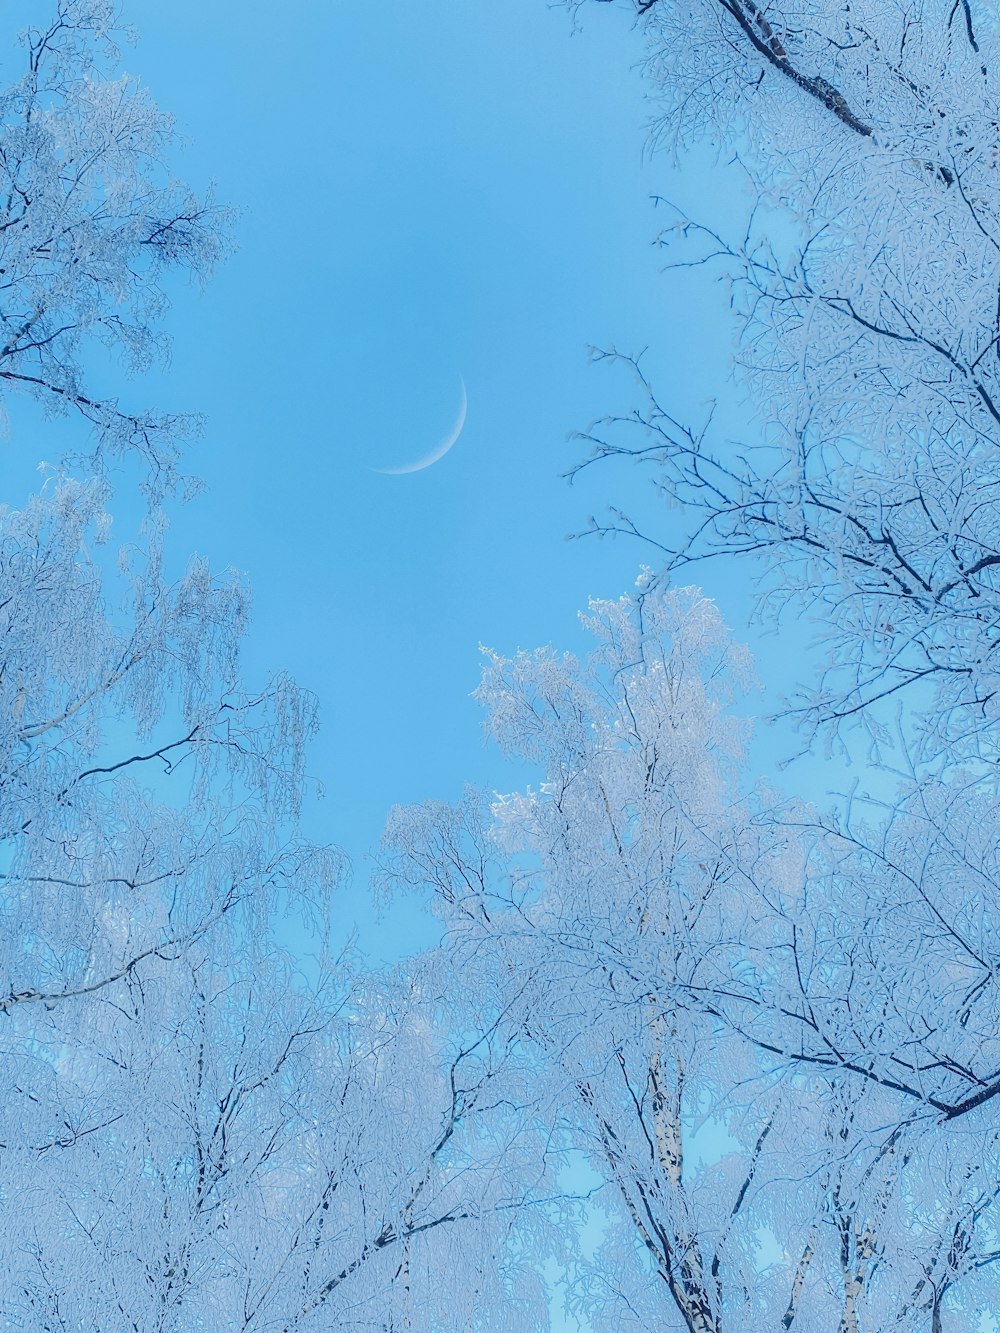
264	1160
869	332
865	291
93	227
193	1134
760	1171
825	987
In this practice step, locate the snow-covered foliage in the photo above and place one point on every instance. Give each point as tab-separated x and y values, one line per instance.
93	226
774	1041
193	1133
865	288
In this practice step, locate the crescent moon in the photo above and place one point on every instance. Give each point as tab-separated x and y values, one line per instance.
439	450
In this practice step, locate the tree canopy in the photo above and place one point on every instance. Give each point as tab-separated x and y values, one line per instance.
747	1040
815	986
198	1131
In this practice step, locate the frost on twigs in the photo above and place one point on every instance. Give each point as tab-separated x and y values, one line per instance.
766	1032
197	1131
92	229
864	289
225	1133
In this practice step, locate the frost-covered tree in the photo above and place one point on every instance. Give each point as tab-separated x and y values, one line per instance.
865	286
865	283
754	1055
824	990
92	226
869	320
193	1134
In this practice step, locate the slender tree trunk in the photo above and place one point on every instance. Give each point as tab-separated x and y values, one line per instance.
936	1323
797	1284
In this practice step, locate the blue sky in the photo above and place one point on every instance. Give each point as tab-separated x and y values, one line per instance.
427	193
